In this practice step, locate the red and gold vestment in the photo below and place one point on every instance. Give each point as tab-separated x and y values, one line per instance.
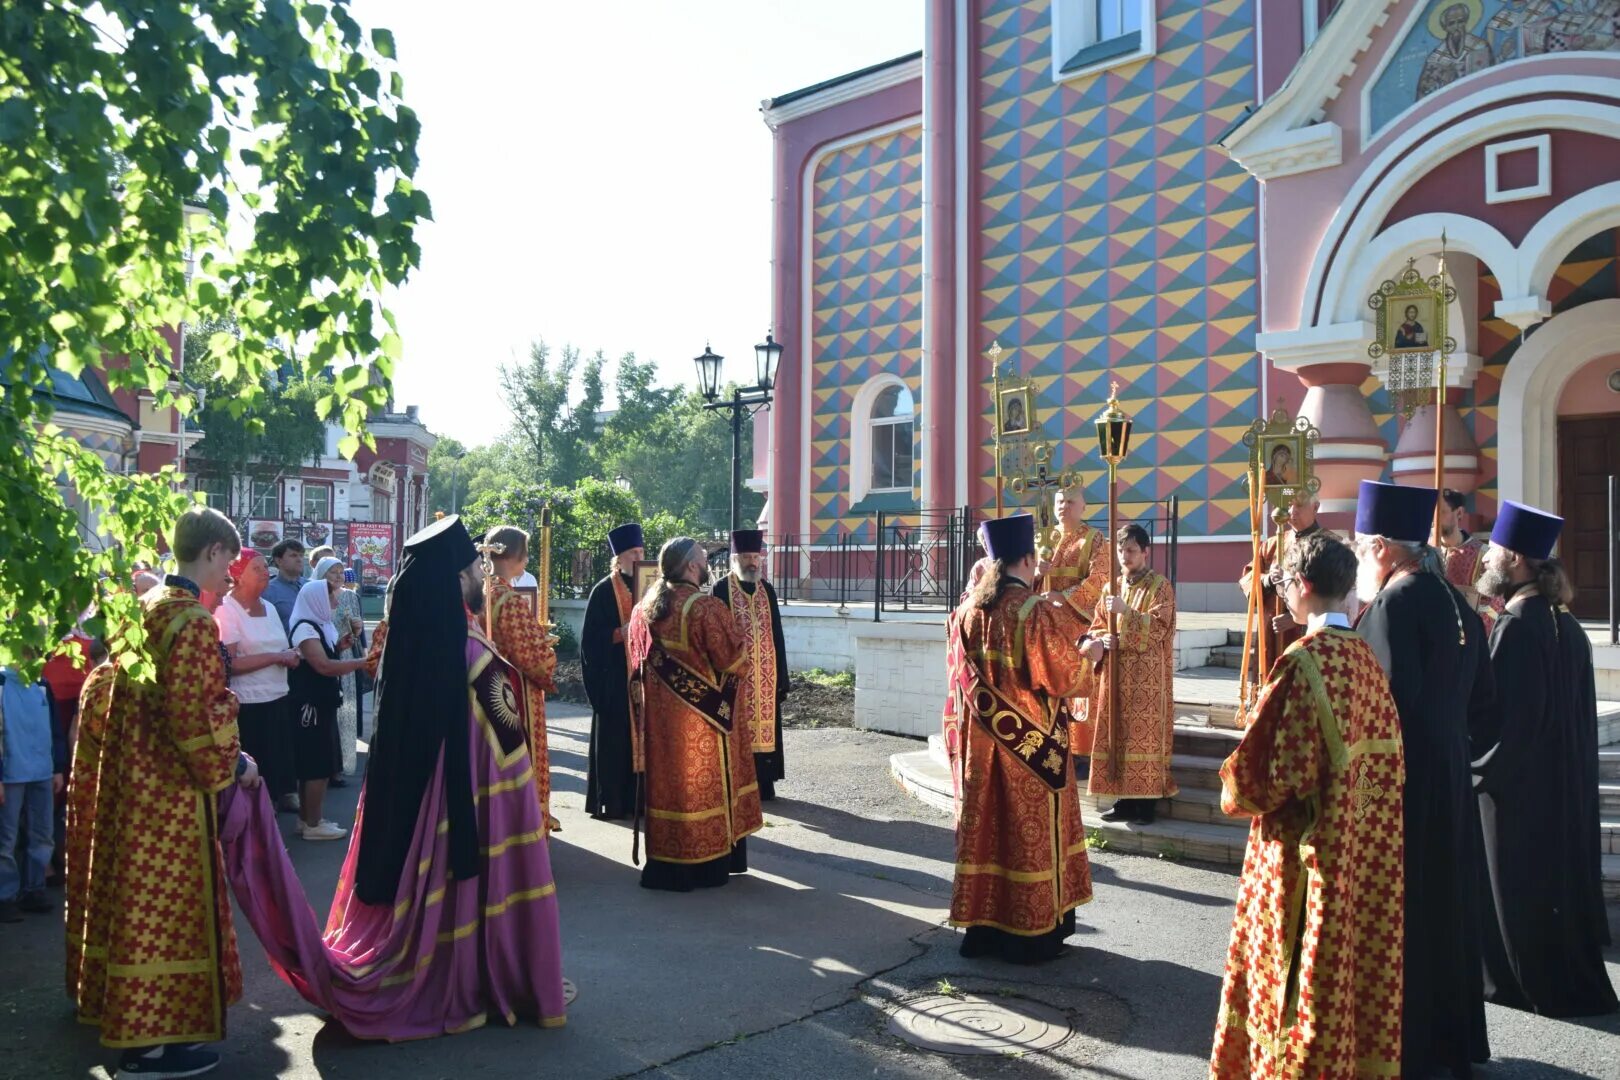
701	793
1313	974
1021	861
150	950
1130	758
756	685
1078	573
1464	564
521	641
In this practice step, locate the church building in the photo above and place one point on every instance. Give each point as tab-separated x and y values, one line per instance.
1195	200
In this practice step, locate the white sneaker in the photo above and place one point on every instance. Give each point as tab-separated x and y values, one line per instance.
326	830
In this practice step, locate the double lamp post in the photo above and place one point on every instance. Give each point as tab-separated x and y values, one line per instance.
744	401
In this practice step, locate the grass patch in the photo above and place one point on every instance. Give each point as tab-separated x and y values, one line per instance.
1096	840
948	988
832	680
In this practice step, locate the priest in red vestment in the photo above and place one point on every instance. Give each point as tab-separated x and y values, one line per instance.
1284	630
1313	973
1021	864
761	692
695	756
1130	754
1077	574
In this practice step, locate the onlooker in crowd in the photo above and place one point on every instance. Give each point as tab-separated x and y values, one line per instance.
330	570
287	560
316	556
65	673
33	764
144	581
315	696
252	634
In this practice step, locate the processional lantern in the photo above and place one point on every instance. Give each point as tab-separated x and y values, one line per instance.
1114	443
767	356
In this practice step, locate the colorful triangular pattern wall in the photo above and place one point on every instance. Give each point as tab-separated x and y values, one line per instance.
866	307
1115	242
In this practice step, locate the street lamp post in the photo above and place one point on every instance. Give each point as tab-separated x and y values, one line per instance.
743	403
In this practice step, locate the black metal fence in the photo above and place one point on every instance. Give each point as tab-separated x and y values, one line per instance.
920	560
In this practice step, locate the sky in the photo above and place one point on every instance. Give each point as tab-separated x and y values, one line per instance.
600	176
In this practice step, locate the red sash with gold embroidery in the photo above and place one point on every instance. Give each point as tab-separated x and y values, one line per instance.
715	704
1045	755
756	695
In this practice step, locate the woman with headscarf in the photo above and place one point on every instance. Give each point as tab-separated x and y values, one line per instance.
316	696
253	636
346	730
348	604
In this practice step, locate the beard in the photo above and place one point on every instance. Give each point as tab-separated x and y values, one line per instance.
1369	580
748	574
1494	582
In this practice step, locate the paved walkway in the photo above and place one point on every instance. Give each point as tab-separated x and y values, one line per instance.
791	971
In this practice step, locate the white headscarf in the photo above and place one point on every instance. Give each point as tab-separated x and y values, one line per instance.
315	604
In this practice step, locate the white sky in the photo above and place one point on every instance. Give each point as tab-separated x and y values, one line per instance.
600	175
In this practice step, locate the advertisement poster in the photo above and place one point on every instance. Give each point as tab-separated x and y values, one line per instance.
317	534
263	534
340	541
372	542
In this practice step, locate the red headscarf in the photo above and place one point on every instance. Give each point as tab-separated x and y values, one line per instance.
242	562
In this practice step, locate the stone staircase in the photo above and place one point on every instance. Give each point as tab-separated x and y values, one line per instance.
1191	825
1229	655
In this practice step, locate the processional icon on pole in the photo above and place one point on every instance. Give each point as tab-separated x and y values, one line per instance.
1023	455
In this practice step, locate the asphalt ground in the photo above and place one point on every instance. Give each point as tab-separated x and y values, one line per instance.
791	971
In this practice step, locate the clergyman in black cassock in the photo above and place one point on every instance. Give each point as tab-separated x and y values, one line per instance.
1432	645
748	560
610	780
1545	925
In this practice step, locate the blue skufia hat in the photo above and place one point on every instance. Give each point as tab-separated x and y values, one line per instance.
1010	538
1526	530
624	538
1395	511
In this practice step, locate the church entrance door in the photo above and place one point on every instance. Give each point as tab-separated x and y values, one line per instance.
1588	451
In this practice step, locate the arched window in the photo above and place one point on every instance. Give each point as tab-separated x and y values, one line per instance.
893	419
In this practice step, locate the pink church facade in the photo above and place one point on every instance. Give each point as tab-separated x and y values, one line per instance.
1195	200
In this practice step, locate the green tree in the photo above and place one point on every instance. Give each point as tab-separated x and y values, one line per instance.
679	463
556	433
117	120
263	439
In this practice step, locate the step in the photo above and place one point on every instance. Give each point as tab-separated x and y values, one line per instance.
1609	763
1200	805
1227	656
1608	723
1170	839
1611	877
924	778
1609	799
1609	836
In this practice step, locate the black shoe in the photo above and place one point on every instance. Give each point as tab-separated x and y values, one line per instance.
1120	811
1147	811
10	912
167	1062
36	902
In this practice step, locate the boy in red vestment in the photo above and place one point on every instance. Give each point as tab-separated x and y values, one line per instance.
1313	974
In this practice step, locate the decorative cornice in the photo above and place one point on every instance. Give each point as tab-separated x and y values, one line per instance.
1340	343
1301	102
1523	311
839	92
1269	155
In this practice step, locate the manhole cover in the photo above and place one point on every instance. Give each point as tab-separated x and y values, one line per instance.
570	991
975	1025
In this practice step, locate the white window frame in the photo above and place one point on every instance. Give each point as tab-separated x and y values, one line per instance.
1075	27
1495	193
273	490
310	515
861	448
223	494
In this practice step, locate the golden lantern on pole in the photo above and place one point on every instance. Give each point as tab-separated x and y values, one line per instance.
1114	443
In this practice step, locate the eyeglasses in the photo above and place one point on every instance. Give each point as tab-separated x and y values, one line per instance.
1286	581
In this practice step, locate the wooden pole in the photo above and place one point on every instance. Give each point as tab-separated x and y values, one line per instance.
1116	755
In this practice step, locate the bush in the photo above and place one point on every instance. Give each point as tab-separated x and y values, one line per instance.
567	643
